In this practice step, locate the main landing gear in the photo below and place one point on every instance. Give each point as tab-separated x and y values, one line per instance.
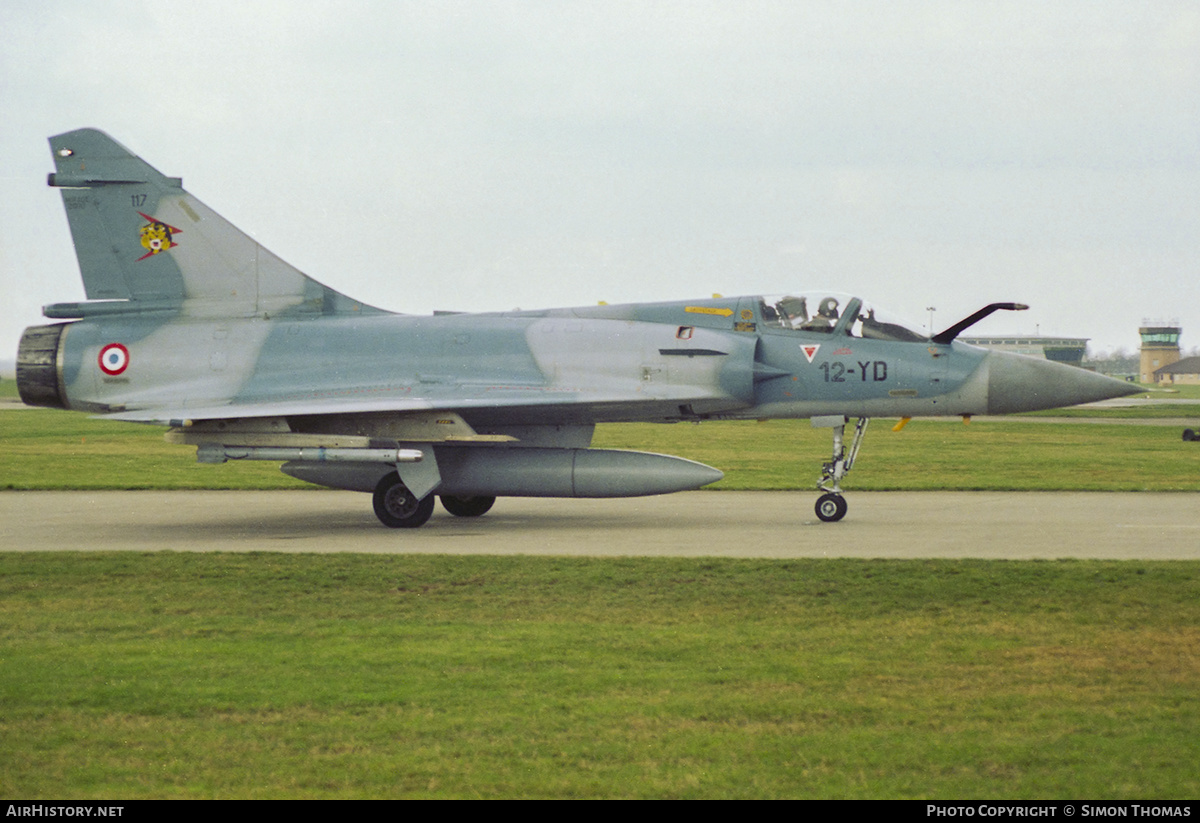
398	508
467	506
831	506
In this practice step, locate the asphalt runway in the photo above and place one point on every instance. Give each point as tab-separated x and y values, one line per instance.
1014	525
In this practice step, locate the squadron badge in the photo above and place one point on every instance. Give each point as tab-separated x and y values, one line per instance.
157	236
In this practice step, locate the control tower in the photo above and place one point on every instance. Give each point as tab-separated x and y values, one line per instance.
1160	347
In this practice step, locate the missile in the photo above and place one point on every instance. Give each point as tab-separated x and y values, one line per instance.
216	453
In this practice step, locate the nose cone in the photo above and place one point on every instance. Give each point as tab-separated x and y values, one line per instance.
1017	383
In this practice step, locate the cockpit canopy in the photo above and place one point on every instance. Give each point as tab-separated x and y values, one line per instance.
836	314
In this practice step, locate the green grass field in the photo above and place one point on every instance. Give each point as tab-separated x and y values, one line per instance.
276	675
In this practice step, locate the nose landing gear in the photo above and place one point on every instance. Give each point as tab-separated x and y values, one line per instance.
831	506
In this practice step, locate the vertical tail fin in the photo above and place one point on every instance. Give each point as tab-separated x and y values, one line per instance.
140	238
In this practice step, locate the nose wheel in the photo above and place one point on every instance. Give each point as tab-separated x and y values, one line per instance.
831	506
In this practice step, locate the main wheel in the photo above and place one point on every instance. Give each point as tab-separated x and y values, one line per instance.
831	507
1188	435
396	507
467	506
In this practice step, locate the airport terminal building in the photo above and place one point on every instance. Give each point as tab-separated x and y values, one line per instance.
1069	350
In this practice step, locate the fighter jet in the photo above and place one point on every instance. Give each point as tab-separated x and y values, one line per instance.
191	324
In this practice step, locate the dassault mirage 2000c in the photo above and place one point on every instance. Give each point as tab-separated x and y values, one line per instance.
190	323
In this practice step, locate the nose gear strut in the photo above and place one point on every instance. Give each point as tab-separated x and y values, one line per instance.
831	506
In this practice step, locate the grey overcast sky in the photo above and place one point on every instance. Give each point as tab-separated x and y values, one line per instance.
493	155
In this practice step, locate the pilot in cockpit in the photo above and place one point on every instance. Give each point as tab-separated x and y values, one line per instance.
826	316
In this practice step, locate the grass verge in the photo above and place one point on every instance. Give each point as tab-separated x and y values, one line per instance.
274	675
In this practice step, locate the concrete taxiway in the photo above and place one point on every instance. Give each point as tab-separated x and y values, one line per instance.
1014	525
